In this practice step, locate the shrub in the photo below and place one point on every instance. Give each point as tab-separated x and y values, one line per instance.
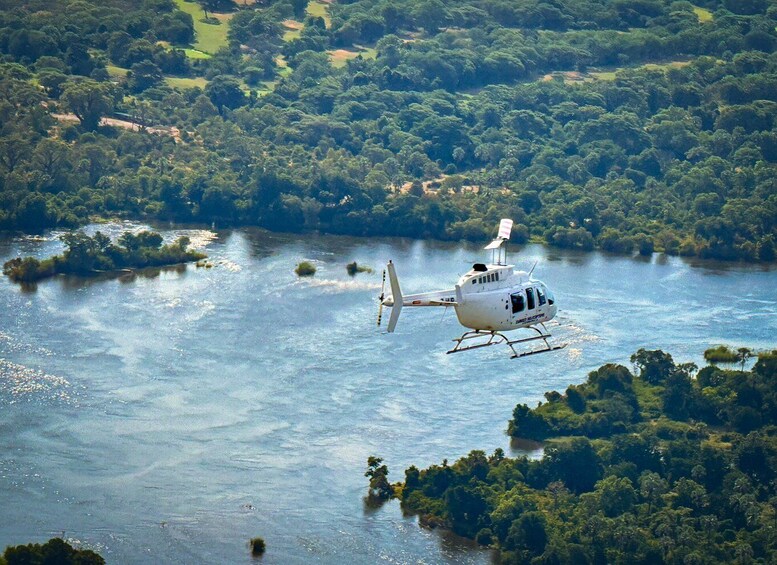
354	268
258	546
305	269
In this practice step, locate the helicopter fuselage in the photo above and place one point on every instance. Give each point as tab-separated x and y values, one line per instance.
492	298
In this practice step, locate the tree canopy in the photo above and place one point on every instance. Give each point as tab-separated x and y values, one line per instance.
634	127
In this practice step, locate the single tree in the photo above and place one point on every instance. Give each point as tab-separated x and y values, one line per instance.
89	100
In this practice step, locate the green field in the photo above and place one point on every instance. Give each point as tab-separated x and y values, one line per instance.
196	54
209	38
604	75
116	72
290	34
320	9
340	57
184	82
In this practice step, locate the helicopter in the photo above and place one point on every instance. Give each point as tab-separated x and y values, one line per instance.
489	299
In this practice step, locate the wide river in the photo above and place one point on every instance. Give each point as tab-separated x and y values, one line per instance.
173	416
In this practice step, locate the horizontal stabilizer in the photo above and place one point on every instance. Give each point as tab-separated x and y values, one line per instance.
505	228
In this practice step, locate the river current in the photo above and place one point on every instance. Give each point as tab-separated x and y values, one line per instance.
173	415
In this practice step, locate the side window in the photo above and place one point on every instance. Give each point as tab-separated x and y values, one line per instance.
497	276
540	296
530	298
474	281
517	301
551	300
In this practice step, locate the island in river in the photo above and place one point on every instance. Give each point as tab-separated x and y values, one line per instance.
96	254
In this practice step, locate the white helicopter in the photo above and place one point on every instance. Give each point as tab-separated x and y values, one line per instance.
489	299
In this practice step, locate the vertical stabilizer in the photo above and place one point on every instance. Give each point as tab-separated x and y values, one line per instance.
396	295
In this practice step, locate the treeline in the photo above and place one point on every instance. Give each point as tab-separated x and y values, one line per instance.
679	158
87	255
663	466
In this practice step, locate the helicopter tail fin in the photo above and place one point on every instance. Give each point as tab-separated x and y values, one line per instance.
396	294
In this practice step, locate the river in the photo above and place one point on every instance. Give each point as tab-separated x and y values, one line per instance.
172	416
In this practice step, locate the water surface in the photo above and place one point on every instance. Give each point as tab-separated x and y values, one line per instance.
172	416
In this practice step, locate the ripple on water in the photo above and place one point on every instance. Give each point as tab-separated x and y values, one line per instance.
334	285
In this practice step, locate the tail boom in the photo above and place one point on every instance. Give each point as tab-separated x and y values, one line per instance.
397	301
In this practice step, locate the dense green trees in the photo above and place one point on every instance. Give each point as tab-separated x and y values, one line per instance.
677	158
681	476
56	550
86	255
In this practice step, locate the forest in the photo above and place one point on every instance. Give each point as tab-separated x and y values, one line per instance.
665	464
632	126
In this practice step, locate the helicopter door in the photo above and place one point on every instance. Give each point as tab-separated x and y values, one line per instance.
530	298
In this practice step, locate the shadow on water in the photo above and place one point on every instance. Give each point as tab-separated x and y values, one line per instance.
568	256
263	243
372	504
721	268
125	276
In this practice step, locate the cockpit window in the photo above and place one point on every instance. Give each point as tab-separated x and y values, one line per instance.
530	298
540	296
518	302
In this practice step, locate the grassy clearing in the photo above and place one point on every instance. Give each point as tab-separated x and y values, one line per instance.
196	54
116	72
290	34
369	52
340	57
209	38
703	14
321	10
665	66
185	82
604	75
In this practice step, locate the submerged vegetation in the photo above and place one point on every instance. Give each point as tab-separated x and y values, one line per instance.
85	255
354	268
258	546
635	127
305	269
666	465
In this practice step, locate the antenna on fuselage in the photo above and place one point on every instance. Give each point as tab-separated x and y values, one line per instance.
498	247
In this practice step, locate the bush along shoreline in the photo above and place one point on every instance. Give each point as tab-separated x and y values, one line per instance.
85	255
665	464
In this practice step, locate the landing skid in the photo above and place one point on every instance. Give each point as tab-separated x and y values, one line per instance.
496	338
